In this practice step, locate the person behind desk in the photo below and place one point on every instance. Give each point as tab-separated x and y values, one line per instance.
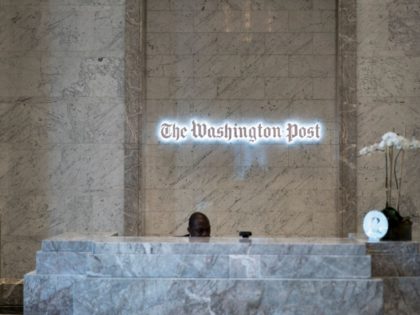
198	225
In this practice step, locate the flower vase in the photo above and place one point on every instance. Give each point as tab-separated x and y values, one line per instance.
399	228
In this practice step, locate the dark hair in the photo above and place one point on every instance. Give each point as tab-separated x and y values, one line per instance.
199	225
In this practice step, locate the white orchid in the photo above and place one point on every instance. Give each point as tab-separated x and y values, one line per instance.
391	139
394	147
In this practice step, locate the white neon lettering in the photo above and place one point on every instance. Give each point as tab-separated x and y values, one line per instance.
228	132
164	131
171	131
299	132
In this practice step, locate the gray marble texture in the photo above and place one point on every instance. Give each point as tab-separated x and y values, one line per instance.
401	295
103	244
397	263
57	299
397	260
61	123
228	297
396	266
388	90
240	60
79	275
98	274
347	113
77	146
202	296
176	257
200	266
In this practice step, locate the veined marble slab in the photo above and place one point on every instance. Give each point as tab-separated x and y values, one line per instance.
222	296
401	295
398	265
214	245
204	266
201	296
167	275
395	259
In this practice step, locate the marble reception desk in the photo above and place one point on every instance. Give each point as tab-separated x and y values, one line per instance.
176	275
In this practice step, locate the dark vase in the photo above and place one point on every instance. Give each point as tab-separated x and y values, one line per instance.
399	228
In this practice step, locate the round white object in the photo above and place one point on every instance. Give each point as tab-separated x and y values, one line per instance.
375	225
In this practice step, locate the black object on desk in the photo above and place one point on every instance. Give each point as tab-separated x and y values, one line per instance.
245	234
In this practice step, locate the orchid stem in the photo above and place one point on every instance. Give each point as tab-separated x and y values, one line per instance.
394	173
386	177
400	181
391	158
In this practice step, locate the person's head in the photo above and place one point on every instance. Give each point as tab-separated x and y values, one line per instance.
199	225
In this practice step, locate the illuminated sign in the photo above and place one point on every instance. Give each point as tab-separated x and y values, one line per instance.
230	132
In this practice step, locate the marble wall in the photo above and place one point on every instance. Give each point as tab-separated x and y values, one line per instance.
61	122
388	69
241	60
68	155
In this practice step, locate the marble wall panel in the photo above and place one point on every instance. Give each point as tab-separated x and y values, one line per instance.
217	65
244	87
217	21
170	65
65	74
260	21
7	76
304	156
216	109
312	21
202	43
29	3
403	25
61	123
64	27
324	5
324	88
168	200
6	32
170	21
290	43
67	167
251	59
75	120
264	66
324	43
18	255
388	64
76	213
159	5
232	54
327	221
284	5
242	43
15	126
312	65
165	222
307	109
4	171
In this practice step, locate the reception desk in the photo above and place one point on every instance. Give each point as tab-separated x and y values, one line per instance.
172	275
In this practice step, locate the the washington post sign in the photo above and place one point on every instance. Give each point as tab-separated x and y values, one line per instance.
289	132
